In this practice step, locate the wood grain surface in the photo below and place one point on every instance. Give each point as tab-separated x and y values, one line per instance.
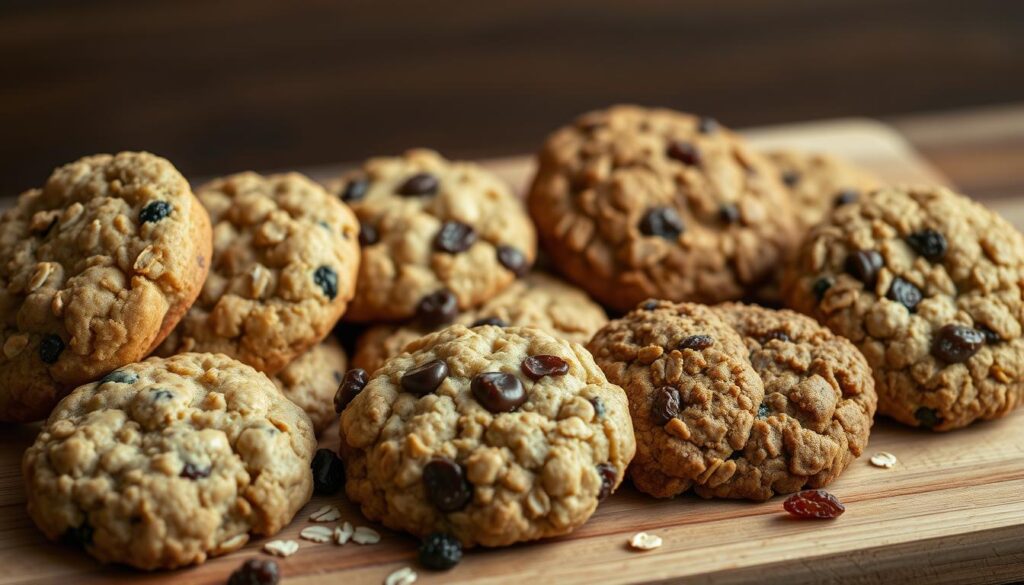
950	511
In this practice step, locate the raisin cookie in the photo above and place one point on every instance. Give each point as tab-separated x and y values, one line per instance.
312	380
493	435
634	203
538	300
167	462
285	258
817	411
693	393
927	284
438	236
819	182
95	269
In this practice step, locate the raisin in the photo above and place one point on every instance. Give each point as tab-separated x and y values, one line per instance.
155	211
424	378
368	235
928	243
440	551
665	404
649	305
495	321
327	279
537	366
437	308
50	348
821	286
905	293
351	385
928	418
419	184
119	377
328	472
956	344
454	237
513	259
774	336
445	484
818	504
193	471
846	197
864	266
256	572
790	178
598	405
728	213
684	152
697	342
763	411
662	222
355	190
991	337
608	474
498	391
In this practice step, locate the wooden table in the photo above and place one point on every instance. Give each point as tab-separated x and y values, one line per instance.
951	511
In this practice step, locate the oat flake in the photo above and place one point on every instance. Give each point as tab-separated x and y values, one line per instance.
883	460
644	541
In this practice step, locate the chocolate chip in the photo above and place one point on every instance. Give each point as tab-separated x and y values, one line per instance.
425	378
489	321
649	305
445	484
355	190
50	348
774	336
598	405
80	535
193	471
120	377
155	211
665	404
437	309
955	344
537	366
928	417
663	222
351	385
511	258
707	125
327	279
864	266
728	213
790	178
697	342
419	184
928	243
498	391
991	337
328	472
368	235
608	474
763	411
454	237
846	197
904	293
821	286
684	152
256	572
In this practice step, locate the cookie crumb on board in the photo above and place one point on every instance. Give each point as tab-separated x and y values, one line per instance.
644	541
884	460
281	548
403	576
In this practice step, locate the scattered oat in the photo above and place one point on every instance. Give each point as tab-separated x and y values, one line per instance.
365	535
317	534
281	548
883	460
403	576
644	541
343	533
325	514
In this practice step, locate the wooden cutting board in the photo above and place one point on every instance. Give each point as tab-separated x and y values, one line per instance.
951	511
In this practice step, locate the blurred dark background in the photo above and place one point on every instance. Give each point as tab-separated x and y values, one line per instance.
220	85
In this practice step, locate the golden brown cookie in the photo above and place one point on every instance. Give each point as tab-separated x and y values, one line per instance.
95	269
818	182
633	203
285	258
928	285
438	236
312	380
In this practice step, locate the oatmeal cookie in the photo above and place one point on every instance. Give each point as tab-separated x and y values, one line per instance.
438	236
538	300
817	182
95	269
285	258
493	435
927	284
633	203
312	380
167	462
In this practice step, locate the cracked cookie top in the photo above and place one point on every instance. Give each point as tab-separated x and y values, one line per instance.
538	300
494	435
927	284
438	236
634	203
285	258
95	268
166	462
818	183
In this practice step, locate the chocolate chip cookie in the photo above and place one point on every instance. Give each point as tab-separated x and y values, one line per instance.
312	380
818	182
166	462
538	300
819	402
493	435
285	258
438	237
95	269
927	284
633	203
693	393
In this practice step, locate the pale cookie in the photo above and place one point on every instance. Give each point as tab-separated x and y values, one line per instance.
95	269
167	462
818	183
817	410
493	435
438	236
693	394
634	203
928	284
312	380
285	258
538	300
